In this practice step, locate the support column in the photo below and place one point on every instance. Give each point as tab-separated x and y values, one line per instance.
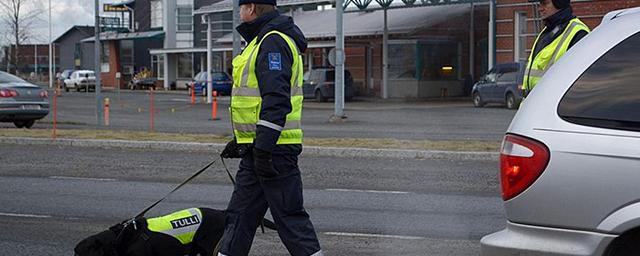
492	33
209	59
472	42
385	58
339	71
236	23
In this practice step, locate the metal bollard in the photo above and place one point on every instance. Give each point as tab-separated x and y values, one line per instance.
214	107
106	111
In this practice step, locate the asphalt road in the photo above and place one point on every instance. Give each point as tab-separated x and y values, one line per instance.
401	120
52	197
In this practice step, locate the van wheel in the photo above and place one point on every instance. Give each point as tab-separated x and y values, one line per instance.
19	124
320	97
625	245
66	89
511	101
477	100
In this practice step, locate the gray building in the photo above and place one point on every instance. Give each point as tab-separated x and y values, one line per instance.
74	54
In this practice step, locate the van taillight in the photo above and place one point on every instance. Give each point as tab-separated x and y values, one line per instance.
522	161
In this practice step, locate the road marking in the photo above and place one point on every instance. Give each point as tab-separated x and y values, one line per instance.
181	100
24	215
367	191
374	235
80	178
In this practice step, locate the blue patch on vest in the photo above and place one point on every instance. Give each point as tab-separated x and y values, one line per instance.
275	61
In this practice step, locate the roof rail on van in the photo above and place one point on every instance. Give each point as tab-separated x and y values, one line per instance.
617	13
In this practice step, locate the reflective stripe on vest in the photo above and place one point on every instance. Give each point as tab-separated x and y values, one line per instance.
246	101
538	66
181	225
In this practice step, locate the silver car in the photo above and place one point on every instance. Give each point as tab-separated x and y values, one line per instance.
570	162
21	103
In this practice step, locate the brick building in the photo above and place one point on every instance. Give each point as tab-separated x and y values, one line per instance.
517	24
32	58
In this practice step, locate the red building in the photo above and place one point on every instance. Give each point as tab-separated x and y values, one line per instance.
517	24
29	57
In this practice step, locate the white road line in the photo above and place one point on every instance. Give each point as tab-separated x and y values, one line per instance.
80	178
374	235
24	215
181	100
367	191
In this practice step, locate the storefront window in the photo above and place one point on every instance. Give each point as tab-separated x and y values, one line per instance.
185	66
402	59
438	61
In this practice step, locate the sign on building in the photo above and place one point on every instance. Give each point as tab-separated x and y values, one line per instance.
112	8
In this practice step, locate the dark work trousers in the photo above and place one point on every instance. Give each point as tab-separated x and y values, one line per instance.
282	194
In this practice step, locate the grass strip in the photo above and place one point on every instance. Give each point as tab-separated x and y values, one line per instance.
372	143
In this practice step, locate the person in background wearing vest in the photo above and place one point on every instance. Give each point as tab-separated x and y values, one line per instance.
562	30
266	109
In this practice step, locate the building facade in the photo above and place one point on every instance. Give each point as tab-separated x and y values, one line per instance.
432	50
30	61
73	53
518	23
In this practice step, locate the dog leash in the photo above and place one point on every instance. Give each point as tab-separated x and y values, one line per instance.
141	214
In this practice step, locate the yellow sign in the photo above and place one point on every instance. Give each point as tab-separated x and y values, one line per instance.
111	8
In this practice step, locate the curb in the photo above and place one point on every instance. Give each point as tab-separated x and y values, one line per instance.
213	147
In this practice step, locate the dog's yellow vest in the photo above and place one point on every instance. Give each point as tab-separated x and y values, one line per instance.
181	225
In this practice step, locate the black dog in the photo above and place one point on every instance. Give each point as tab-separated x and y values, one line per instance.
170	235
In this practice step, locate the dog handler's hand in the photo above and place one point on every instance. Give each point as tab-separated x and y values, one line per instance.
263	163
230	150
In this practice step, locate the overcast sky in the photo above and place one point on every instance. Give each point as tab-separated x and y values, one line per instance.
64	15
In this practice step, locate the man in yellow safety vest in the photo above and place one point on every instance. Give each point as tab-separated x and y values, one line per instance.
562	30
266	110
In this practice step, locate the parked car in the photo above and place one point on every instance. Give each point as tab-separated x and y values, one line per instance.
81	80
319	84
63	76
570	160
21	102
222	83
502	84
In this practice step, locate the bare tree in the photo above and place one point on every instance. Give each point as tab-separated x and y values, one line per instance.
19	22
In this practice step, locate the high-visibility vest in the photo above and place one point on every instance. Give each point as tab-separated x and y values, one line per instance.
246	101
537	66
181	225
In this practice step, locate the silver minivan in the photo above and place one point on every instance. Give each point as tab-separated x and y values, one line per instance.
570	161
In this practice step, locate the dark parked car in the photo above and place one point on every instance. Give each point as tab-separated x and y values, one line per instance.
221	83
319	84
500	85
21	102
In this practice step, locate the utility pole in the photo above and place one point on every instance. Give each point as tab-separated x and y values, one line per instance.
51	56
97	62
339	61
236	23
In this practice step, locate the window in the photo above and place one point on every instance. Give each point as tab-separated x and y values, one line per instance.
185	65
438	61
520	40
185	18
402	61
156	14
607	94
157	61
104	67
508	77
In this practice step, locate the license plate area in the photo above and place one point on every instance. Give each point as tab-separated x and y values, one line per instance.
31	107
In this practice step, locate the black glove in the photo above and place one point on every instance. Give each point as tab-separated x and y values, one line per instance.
231	150
263	163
